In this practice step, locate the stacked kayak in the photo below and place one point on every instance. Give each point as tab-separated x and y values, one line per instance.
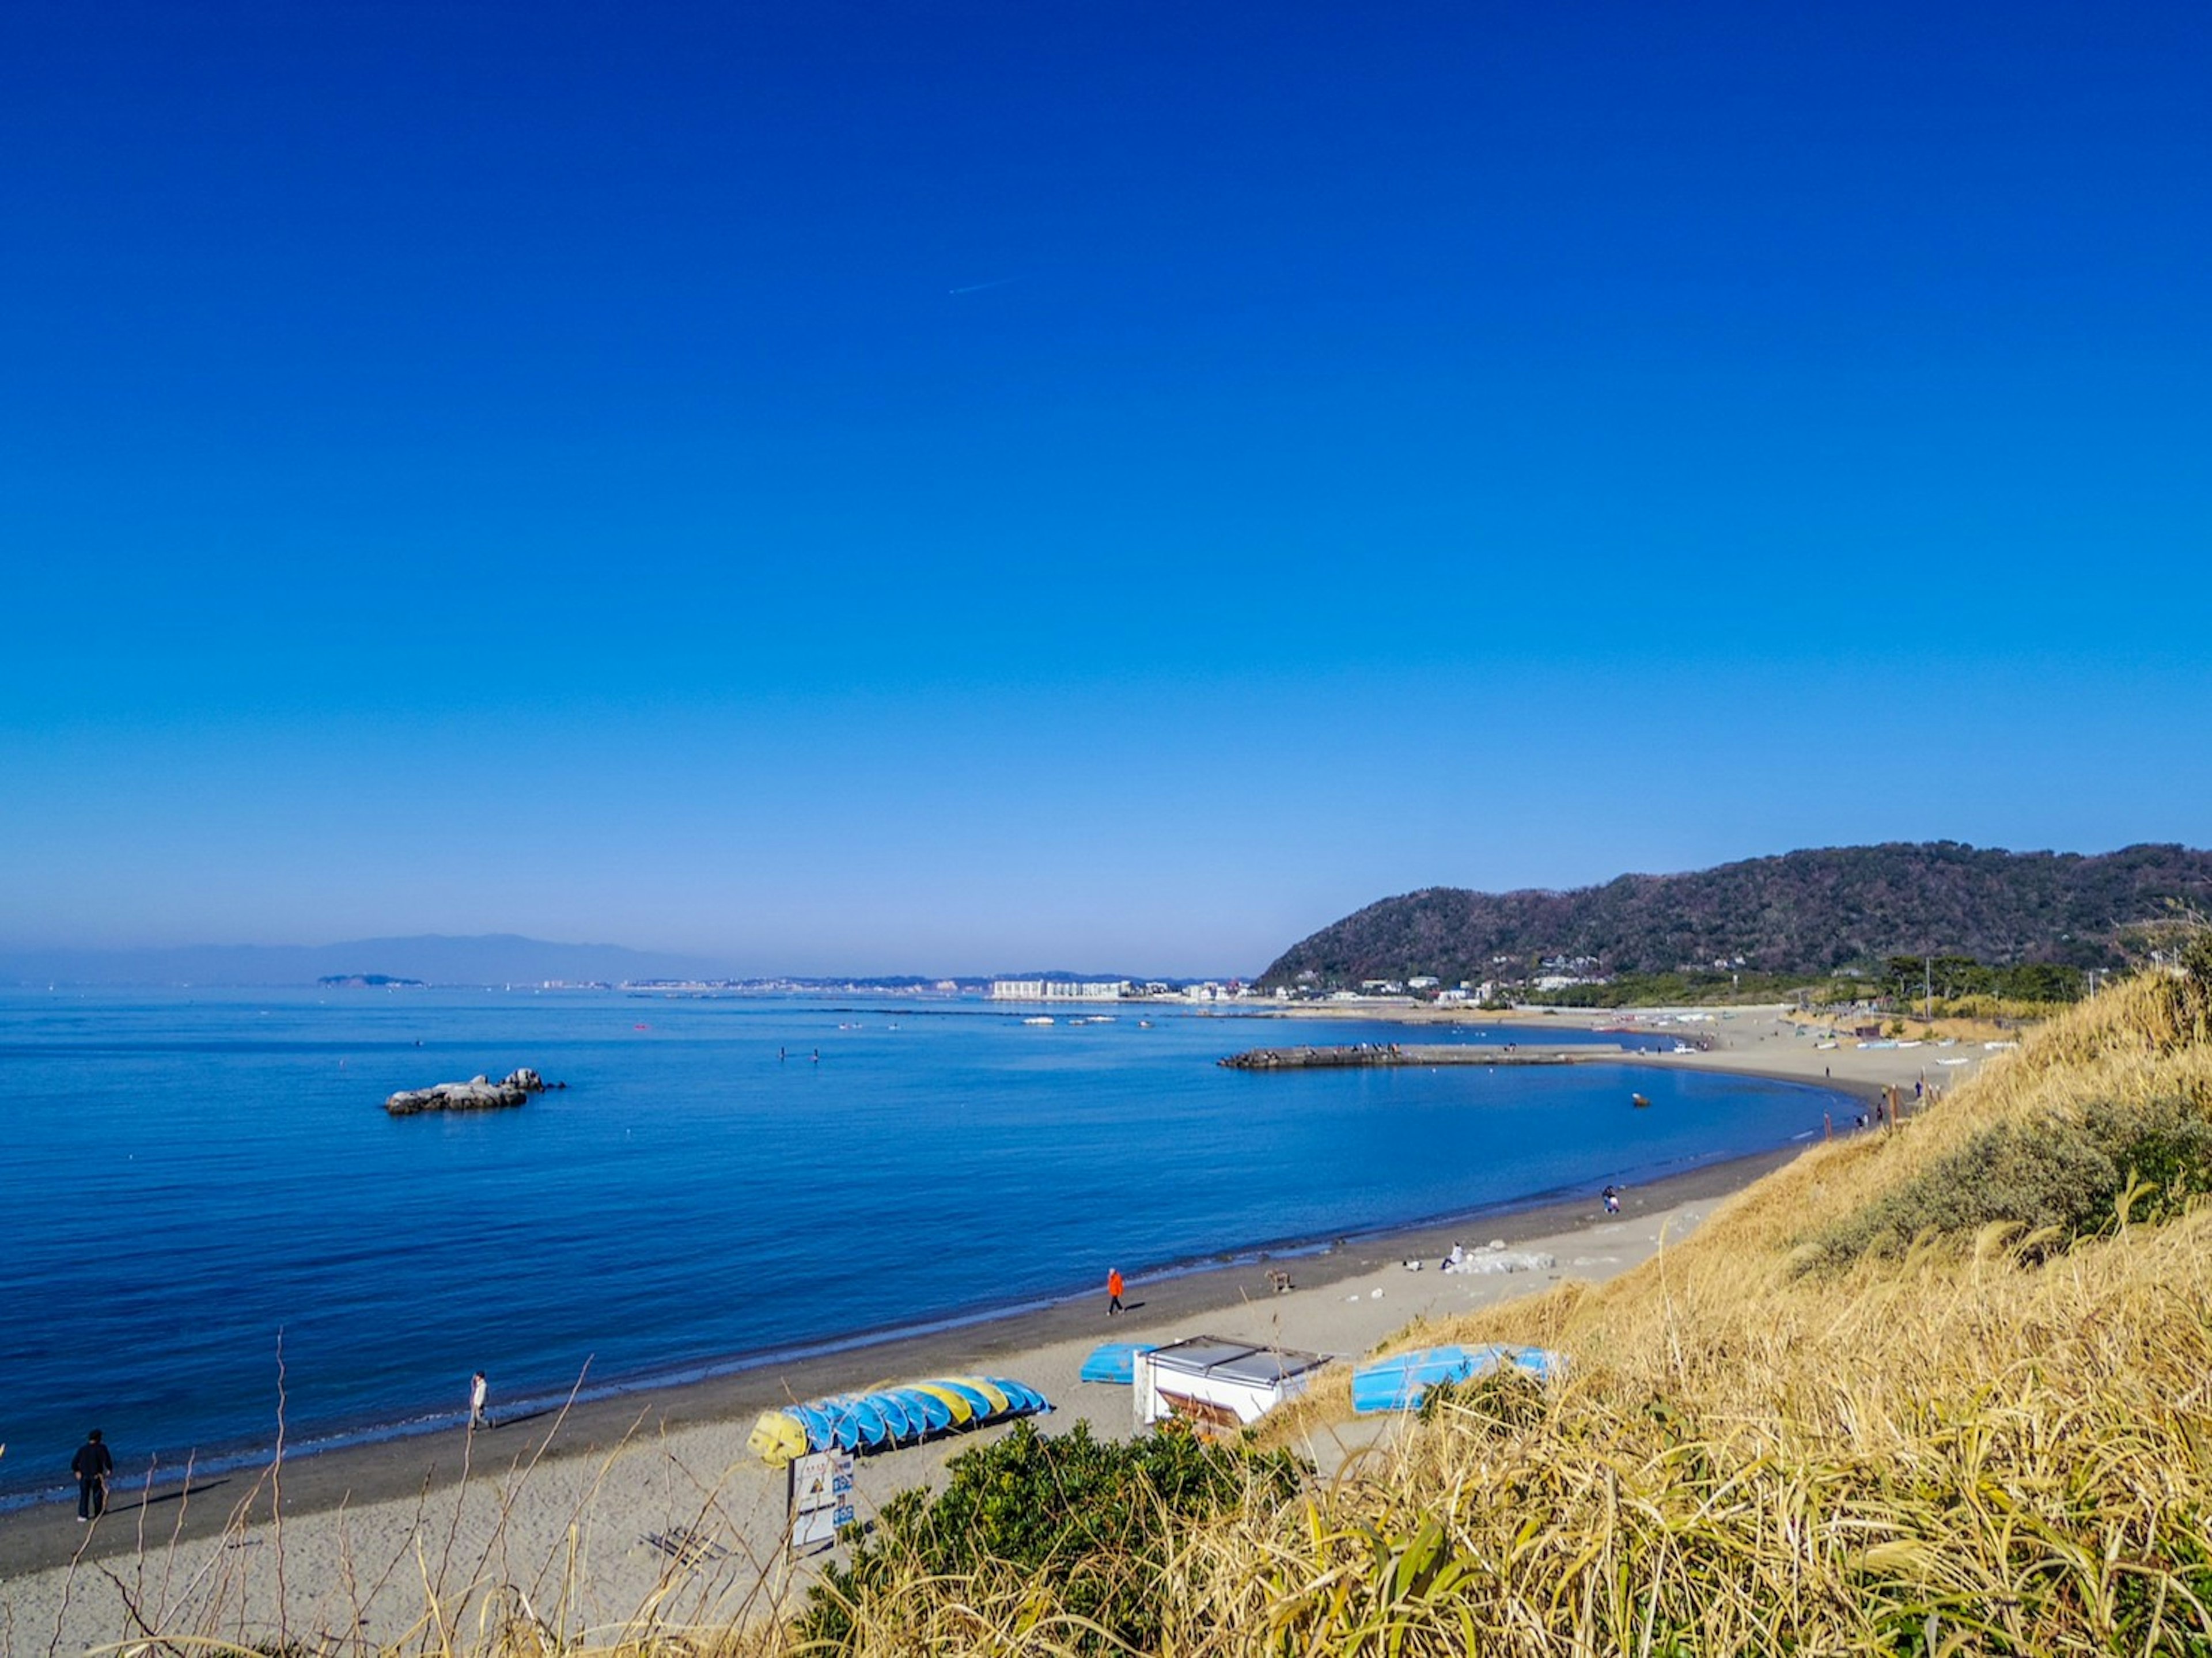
1401	1382
1116	1361
891	1417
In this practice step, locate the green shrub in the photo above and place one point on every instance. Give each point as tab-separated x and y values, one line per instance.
2056	1180
1088	1518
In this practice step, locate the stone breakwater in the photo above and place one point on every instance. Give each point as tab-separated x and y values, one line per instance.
1382	1054
478	1094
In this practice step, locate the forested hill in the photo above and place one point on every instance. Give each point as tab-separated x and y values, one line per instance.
1805	912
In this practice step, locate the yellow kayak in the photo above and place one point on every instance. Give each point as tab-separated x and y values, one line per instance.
999	1403
777	1437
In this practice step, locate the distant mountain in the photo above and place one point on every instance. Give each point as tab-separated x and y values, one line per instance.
1805	912
491	959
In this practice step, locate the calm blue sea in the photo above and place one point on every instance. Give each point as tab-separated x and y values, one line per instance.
193	1173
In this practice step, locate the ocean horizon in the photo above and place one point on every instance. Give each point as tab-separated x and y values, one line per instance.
209	1185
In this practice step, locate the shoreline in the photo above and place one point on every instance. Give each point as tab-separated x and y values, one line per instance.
230	1467
41	1535
423	1466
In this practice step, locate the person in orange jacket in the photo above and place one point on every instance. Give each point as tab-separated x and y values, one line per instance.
1112	1290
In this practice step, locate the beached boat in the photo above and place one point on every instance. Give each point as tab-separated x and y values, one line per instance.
1402	1380
1113	1361
888	1418
778	1438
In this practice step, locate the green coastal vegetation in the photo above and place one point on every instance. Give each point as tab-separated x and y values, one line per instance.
1898	923
1943	986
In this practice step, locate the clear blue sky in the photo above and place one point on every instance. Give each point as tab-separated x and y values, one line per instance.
1085	482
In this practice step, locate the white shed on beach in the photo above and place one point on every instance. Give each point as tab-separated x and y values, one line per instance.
1217	1385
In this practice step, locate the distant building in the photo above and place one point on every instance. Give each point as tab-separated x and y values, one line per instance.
1565	981
1059	990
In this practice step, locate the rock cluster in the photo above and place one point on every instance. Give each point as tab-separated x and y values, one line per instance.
478	1094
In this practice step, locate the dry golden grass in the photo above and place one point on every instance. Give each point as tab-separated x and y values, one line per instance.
1952	1452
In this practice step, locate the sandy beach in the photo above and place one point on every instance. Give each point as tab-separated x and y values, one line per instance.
556	1516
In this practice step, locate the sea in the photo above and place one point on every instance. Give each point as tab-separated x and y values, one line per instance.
212	1226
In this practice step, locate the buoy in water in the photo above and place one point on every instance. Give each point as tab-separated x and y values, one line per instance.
1638	1101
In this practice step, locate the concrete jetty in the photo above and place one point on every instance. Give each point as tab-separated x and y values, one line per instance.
1353	1055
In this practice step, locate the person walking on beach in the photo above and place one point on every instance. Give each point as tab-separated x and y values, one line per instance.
1112	1290
92	1465
478	1389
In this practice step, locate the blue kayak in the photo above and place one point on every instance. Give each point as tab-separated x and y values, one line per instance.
925	1411
1115	1362
844	1426
860	1422
1401	1382
821	1432
1022	1399
889	1407
875	1408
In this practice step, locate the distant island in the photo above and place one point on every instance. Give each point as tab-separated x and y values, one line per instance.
506	961
1949	917
488	959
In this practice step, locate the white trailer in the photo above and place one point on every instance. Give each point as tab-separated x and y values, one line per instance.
1217	1385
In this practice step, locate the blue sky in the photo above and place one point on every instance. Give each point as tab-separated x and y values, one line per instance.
957	487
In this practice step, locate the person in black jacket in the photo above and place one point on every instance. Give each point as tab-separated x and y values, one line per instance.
92	1467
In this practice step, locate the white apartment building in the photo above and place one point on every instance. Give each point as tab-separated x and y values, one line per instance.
1059	990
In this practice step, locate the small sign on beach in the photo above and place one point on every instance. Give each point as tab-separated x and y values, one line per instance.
821	1499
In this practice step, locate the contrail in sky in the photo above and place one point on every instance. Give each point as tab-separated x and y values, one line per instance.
977	287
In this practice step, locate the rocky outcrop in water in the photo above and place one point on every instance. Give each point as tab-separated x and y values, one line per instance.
478	1094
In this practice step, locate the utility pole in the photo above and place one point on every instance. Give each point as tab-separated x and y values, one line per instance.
1928	989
